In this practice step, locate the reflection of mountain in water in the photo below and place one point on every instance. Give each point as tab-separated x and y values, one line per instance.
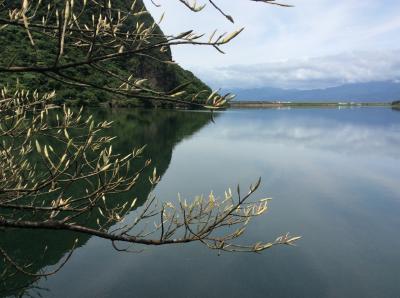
161	130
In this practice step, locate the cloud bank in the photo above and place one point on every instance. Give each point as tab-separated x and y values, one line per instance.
351	40
308	73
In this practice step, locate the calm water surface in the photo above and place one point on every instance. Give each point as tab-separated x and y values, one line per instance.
334	179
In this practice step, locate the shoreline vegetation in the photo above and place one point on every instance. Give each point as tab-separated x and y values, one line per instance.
288	105
396	105
250	105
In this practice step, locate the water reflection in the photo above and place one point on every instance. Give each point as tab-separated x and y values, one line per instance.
311	130
160	129
341	196
328	185
333	175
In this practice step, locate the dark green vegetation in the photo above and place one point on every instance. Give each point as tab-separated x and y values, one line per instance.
160	129
16	49
396	105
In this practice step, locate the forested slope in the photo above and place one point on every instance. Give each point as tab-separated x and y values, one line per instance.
15	49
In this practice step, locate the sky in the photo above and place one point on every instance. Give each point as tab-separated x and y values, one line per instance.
316	44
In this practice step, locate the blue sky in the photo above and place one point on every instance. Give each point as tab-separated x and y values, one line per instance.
318	43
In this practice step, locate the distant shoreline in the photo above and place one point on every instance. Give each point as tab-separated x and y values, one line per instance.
270	105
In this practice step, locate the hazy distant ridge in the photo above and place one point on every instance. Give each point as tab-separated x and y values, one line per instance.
358	92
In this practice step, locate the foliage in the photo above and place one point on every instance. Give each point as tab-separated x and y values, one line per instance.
17	48
59	170
160	129
76	175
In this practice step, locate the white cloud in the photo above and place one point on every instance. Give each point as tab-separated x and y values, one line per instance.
308	73
314	28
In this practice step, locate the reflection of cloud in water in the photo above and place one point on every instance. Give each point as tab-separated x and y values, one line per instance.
326	134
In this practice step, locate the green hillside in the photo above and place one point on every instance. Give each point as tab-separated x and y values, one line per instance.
16	50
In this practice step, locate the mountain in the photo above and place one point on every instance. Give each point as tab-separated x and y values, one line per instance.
359	92
16	49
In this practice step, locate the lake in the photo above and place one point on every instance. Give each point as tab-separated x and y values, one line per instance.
333	175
